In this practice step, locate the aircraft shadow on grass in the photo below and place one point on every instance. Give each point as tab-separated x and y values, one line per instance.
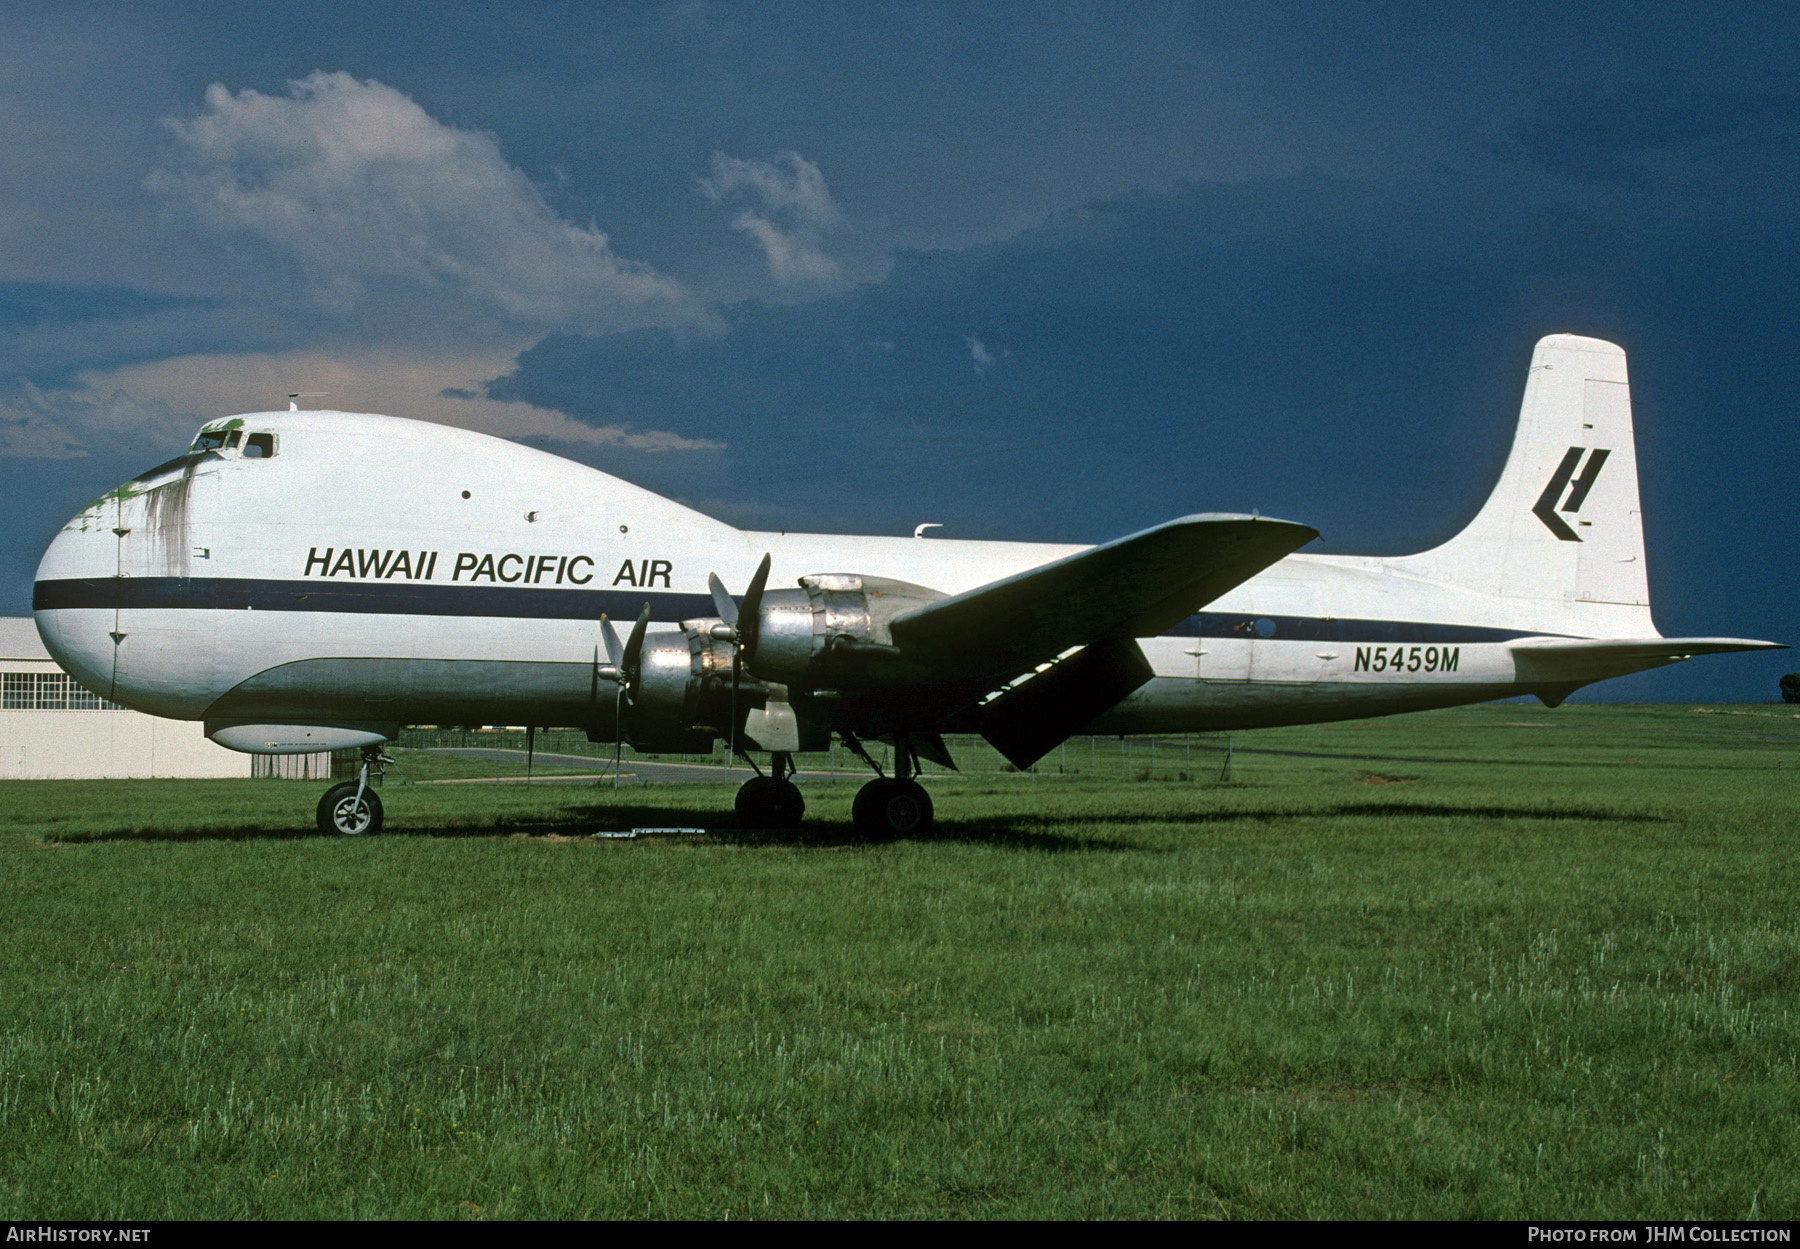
1043	833
1021	834
1389	810
1006	834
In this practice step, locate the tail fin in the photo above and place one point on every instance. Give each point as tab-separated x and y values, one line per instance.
1564	523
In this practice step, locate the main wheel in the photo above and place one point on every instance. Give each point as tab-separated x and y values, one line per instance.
886	808
863	818
341	812
768	802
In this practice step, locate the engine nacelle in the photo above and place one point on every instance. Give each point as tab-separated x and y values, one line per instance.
806	638
682	699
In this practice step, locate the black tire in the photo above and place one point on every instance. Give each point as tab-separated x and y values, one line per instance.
918	821
340	813
765	802
886	808
864	819
789	805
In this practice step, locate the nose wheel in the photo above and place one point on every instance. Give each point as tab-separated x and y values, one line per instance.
353	809
343	810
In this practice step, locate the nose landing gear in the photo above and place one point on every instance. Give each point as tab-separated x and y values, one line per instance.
353	809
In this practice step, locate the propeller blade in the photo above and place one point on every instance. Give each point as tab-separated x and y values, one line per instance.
749	615
722	600
618	731
614	651
634	645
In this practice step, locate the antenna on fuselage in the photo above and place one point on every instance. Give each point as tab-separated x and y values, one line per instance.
295	395
930	524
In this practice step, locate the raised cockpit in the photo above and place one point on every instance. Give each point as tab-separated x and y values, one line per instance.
232	438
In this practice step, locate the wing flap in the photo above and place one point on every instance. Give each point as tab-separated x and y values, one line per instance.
1029	721
1137	586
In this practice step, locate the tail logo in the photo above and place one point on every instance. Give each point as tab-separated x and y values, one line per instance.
1578	488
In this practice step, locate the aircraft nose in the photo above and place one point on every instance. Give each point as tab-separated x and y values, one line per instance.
75	598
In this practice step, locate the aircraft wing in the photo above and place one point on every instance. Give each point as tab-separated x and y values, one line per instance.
1137	586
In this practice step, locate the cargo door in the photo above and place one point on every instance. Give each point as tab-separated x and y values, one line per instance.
164	638
1283	632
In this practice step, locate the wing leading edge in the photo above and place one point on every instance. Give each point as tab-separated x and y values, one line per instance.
1136	586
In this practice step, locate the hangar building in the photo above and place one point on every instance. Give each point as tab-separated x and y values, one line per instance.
51	727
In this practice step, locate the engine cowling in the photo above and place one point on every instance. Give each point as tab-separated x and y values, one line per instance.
813	637
682	698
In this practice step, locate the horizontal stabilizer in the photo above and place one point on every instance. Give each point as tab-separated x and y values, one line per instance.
1581	660
1138	586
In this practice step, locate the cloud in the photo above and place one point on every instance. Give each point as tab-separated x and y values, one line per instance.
380	255
48	331
395	383
158	404
795	211
371	207
983	358
71	424
1645	131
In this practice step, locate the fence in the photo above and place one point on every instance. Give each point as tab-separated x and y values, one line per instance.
1192	757
311	767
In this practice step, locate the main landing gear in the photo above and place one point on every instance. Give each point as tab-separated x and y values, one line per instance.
890	806
353	809
886	808
771	801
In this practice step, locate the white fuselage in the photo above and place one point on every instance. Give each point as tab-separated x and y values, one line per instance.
377	569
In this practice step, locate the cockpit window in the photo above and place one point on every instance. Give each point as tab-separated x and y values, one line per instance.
259	446
213	439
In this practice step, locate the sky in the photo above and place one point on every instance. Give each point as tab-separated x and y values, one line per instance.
1037	271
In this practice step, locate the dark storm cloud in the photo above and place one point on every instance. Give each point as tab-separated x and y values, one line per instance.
1252	337
35	305
1632	133
50	330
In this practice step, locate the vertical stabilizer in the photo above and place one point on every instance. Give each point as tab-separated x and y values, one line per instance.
1564	523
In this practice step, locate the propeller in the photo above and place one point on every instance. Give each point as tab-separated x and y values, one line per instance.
739	629
740	623
623	661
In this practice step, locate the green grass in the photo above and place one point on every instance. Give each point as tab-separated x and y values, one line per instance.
1495	962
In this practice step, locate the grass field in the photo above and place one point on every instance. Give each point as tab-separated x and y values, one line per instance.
1494	962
